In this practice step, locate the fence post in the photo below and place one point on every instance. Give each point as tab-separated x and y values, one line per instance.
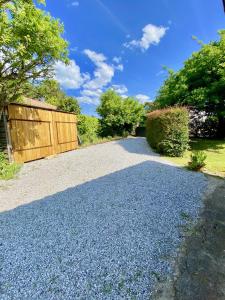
8	137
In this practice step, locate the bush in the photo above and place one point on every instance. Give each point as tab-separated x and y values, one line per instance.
197	162
7	170
167	131
88	128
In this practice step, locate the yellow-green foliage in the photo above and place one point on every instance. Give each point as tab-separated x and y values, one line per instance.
167	131
7	170
197	162
88	128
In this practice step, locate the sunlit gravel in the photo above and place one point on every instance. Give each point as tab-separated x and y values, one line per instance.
106	223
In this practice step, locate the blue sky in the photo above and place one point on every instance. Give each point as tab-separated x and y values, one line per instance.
124	44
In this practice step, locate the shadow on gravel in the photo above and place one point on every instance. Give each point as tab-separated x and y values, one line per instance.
202	265
137	145
110	238
200	269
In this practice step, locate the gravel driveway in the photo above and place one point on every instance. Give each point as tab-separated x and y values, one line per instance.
97	223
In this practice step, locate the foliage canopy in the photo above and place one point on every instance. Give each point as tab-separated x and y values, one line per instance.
88	128
118	115
50	91
30	42
200	83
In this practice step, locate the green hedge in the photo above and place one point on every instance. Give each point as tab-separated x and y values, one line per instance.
167	131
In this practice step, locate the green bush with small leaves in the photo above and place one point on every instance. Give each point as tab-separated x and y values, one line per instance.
7	170
167	131
88	128
198	160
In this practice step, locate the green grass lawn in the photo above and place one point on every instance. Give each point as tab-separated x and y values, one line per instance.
215	150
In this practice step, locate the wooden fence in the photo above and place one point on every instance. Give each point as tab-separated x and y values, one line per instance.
36	133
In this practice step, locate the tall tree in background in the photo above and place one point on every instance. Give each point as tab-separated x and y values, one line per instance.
200	83
70	104
4	2
30	43
118	115
49	90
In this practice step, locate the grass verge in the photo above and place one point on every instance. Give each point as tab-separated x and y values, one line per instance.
97	140
215	151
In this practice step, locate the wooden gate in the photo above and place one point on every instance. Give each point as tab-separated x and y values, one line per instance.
36	133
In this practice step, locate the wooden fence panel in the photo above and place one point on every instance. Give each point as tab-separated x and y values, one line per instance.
37	133
65	131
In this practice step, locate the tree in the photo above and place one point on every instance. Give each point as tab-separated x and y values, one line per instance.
4	2
88	128
30	43
200	84
50	91
150	106
69	104
118	115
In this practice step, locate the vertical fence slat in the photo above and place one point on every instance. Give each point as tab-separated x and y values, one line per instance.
37	133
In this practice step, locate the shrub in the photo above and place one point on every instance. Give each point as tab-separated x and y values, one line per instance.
167	131
197	162
88	128
7	170
3	162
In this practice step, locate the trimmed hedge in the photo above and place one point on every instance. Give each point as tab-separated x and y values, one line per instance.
167	131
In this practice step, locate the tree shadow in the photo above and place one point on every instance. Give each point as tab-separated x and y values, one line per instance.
24	121
207	144
201	266
104	239
137	145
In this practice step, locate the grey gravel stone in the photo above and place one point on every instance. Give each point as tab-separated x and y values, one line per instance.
105	223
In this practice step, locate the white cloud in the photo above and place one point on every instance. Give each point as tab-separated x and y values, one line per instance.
103	73
90	96
69	76
151	36
142	98
91	86
161	72
88	100
120	89
119	67
91	93
117	59
94	56
73	49
75	3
